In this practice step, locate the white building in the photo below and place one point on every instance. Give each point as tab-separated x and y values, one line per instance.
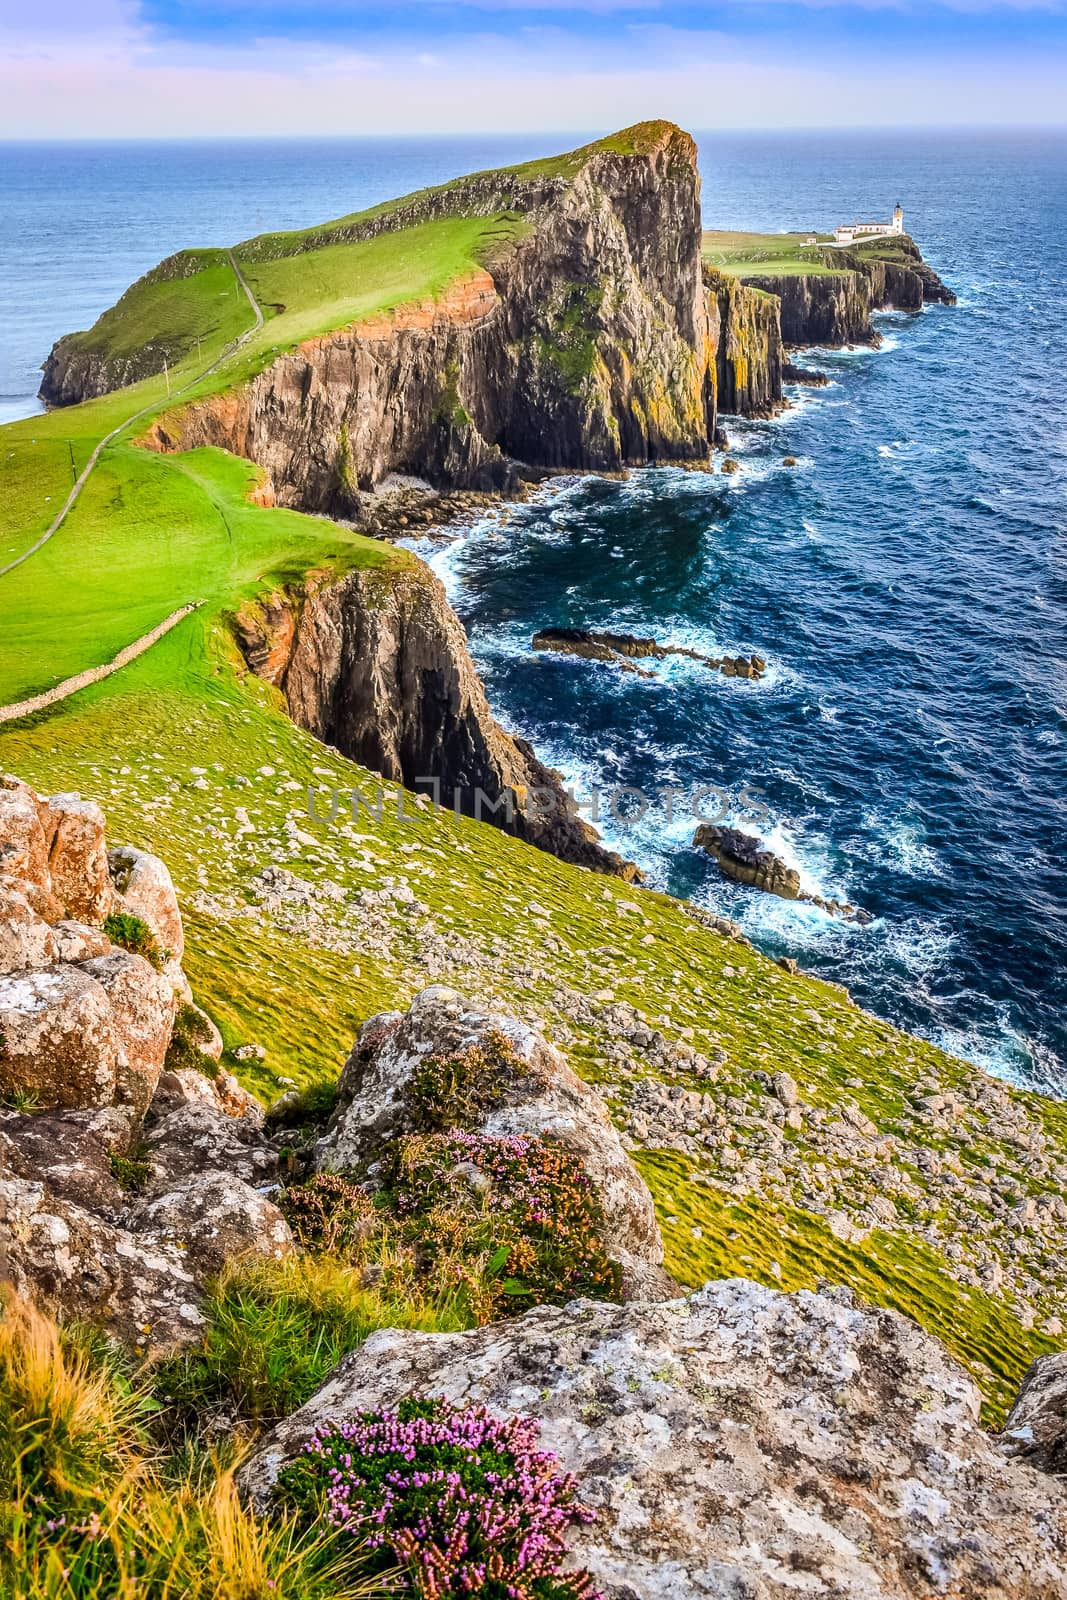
850	232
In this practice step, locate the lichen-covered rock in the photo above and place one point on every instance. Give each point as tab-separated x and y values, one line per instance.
26	940
215	1218
24	844
142	1004
143	886
58	1038
199	1136
81	1266
1036	1429
77	857
541	1095
739	1443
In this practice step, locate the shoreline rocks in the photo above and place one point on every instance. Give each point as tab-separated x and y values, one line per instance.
621	649
743	858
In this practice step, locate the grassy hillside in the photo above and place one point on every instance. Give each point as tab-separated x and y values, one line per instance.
868	1186
199	762
753	255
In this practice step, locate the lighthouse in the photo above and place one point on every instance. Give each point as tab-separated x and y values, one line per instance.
898	218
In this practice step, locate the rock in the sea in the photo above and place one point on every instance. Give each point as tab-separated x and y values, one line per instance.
1036	1429
540	1095
741	1443
730	465
743	858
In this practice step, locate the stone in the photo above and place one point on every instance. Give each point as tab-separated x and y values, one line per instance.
730	465
200	1136
59	1038
739	1442
77	857
143	885
741	856
214	1218
544	1096
142	1004
24	845
1036	1429
26	940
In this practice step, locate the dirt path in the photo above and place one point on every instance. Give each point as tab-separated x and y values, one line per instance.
82	680
83	476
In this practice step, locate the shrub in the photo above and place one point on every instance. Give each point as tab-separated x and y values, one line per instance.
187	1038
521	1211
275	1330
329	1212
129	1172
453	1091
133	934
464	1501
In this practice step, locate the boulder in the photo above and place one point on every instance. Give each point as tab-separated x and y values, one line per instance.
26	940
143	887
24	844
79	1265
1036	1429
743	858
77	857
57	1038
199	1135
540	1096
142	1011
215	1218
739	1442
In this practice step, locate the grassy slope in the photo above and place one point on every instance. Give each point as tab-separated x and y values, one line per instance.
180	740
748	255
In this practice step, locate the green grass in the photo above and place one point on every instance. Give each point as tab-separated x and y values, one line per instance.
710	1235
195	295
754	255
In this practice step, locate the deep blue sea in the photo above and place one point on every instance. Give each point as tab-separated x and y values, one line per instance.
907	583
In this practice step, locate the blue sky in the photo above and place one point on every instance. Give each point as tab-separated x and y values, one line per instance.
103	68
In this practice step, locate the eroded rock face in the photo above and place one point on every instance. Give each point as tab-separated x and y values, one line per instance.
739	1442
1036	1429
542	1096
378	666
59	1039
215	1218
142	885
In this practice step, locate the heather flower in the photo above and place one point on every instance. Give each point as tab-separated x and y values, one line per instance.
464	1502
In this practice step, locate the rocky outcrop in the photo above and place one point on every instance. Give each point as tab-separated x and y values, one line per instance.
378	666
1036	1429
82	1022
743	858
130	1245
621	649
738	1442
538	1095
833	307
582	344
745	338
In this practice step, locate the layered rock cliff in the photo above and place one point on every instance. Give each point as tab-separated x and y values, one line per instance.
834	307
378	666
583	344
744	330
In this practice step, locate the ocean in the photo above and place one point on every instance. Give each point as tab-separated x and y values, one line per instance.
906	582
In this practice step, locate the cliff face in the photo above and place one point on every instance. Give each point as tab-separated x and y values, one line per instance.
584	346
745	334
378	666
834	308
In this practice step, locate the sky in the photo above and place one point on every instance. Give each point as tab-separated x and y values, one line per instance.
170	68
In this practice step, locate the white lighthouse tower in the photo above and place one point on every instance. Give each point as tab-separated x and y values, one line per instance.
898	218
